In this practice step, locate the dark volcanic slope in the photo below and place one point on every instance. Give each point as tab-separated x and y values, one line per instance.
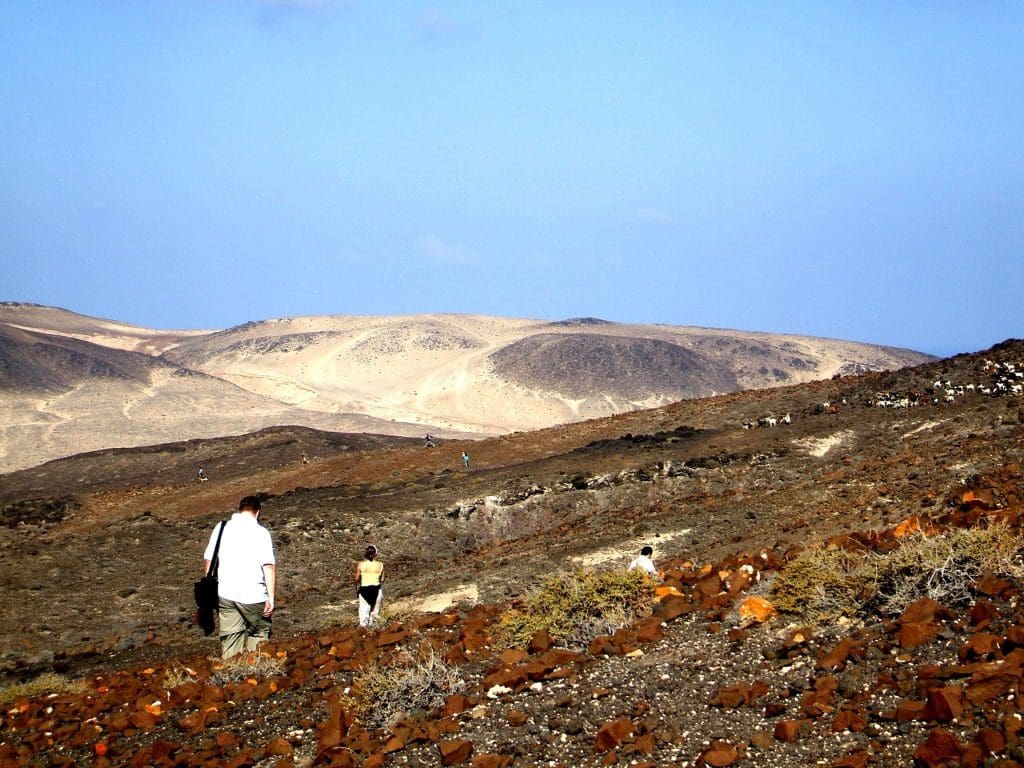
592	365
43	362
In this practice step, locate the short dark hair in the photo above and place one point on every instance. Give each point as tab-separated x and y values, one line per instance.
249	504
647	551
371	552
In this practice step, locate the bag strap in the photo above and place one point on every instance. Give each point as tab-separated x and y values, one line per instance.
215	560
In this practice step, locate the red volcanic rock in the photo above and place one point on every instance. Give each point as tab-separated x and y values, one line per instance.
720	753
516	718
394	744
836	658
789	730
1015	635
917	633
907	709
731	696
540	642
858	759
849	720
923	609
992	586
456	703
613	734
981	645
991	681
762	739
673	606
991	741
279	746
225	739
391	638
817	702
455	751
512	656
982	614
488	760
941	747
944	704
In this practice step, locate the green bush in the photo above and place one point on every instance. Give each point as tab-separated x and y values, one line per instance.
576	608
822	583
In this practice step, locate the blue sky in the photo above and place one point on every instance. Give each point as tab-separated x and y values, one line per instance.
852	170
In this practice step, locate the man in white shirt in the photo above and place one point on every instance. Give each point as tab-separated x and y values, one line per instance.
246	579
644	563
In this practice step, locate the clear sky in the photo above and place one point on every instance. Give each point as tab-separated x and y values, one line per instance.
852	170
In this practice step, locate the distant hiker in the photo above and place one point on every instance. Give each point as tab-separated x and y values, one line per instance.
305	458
644	563
247	578
369	573
202	475
465	460
429	441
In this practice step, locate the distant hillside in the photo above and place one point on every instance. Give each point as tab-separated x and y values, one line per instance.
594	365
444	373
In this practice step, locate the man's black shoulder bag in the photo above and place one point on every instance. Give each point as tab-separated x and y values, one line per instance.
206	591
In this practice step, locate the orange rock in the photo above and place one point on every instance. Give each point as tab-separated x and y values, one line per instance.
660	593
516	718
613	734
858	759
789	730
756	609
940	748
490	760
720	753
917	633
944	704
455	751
279	747
849	720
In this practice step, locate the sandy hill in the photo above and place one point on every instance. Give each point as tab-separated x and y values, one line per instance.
492	375
447	374
893	468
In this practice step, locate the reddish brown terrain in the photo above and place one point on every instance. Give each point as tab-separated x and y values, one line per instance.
98	553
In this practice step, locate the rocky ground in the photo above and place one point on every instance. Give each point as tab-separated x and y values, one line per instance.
98	553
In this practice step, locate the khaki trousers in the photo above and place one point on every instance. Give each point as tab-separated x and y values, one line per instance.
242	627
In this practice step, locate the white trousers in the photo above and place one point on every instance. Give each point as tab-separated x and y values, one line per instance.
368	613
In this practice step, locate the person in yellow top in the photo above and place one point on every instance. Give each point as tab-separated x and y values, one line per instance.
369	575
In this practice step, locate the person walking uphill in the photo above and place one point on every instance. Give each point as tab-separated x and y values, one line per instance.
369	575
247	579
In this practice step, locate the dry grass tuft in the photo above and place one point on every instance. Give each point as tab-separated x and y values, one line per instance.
46	683
247	665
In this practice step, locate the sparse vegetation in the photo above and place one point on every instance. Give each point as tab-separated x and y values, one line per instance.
178	675
576	608
825	582
259	665
46	683
383	693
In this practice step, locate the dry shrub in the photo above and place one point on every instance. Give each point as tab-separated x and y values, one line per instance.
943	567
822	583
826	582
576	608
247	665
382	694
46	683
